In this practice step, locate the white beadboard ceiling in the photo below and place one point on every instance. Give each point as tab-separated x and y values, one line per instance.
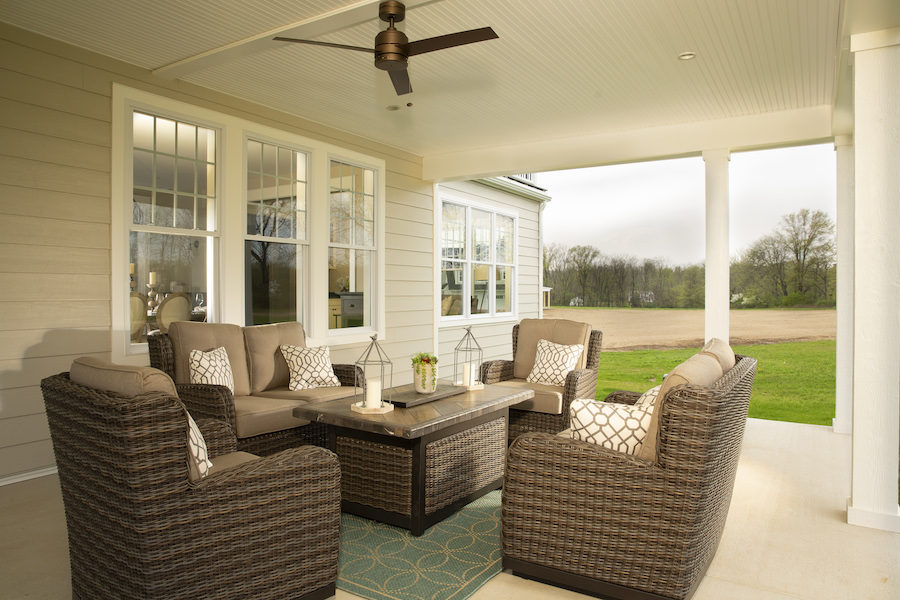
560	69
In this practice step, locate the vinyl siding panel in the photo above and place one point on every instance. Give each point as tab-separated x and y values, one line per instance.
55	206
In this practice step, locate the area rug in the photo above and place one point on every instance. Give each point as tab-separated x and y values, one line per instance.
449	562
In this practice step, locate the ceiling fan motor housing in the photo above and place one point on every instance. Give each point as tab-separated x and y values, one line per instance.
390	50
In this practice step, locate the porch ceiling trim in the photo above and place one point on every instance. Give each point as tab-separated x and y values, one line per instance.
770	130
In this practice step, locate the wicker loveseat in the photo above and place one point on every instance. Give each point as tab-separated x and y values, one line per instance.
624	526
260	411
548	411
141	527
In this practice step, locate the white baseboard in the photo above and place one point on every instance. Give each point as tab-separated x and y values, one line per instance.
20	477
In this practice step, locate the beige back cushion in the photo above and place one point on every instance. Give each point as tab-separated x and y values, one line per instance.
700	369
266	363
125	380
189	335
721	351
558	331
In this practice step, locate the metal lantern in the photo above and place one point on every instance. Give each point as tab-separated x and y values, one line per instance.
467	359
378	373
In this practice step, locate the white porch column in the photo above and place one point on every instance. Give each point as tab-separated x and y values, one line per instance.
876	301
843	392
718	287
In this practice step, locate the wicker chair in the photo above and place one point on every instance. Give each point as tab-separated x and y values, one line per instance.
139	528
580	383
581	516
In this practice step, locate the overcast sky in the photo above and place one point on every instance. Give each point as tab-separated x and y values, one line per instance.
656	209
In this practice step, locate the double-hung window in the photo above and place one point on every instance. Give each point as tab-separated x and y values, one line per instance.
276	243
477	261
173	231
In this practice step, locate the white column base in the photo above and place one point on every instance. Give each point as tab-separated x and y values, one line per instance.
873	520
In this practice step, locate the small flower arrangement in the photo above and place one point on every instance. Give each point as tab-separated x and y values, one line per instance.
422	359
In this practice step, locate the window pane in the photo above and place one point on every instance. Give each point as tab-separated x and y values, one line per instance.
178	265
142	131
184	213
451	288
143	169
165	136
271	182
453	231
165	173
503	296
186	138
481	235
142	209
505	240
349	288
271	293
185	176
480	289
164	211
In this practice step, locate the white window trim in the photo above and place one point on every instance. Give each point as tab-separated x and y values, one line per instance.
442	195
227	281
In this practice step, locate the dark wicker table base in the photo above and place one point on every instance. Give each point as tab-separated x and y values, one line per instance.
415	483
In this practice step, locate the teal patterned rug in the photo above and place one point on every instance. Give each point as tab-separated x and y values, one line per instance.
449	562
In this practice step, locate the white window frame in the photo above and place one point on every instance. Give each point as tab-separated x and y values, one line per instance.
492	316
227	283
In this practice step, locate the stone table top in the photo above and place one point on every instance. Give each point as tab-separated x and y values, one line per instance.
418	420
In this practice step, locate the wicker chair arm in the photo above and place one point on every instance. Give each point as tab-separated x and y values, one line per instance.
205	401
622	397
310	469
580	383
348	374
218	435
495	371
161	354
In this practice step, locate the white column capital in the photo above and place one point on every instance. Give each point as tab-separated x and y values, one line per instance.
875	39
842	140
716	154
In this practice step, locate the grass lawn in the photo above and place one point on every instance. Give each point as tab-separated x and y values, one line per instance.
794	380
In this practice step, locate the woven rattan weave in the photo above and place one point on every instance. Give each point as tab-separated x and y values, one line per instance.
583	516
580	383
139	529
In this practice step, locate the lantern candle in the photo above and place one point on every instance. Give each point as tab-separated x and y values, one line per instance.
373	393
467	374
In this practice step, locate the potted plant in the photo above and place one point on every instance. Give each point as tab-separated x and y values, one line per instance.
425	372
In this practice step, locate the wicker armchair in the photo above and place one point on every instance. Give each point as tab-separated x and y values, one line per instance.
580	383
139	528
585	517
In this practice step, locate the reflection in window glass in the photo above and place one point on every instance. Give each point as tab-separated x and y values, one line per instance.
276	209
351	252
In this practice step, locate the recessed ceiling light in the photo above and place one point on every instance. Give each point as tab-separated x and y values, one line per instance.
393	107
687	56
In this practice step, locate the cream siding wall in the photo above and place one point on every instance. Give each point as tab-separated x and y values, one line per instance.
55	140
495	335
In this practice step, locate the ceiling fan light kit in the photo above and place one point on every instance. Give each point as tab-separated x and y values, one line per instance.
393	49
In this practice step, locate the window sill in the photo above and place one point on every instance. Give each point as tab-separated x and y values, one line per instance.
447	322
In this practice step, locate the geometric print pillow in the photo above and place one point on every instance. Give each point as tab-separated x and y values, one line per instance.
553	362
310	367
198	456
619	427
211	368
648	398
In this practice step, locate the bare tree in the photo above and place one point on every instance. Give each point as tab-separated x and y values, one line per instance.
582	259
808	237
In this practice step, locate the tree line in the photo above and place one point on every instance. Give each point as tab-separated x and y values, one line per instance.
792	266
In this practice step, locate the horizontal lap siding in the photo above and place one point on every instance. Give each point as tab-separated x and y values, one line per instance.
55	142
495	338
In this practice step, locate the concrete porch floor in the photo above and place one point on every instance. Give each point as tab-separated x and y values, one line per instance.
786	536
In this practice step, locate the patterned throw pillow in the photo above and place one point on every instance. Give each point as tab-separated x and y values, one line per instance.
310	367
648	398
620	427
212	368
198	456
553	362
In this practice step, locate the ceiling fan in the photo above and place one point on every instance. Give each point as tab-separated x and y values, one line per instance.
393	48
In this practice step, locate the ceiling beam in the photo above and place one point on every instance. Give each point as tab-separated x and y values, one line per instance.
769	130
328	22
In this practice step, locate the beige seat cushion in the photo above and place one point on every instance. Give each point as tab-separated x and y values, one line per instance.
558	331
700	369
721	351
312	395
188	335
223	462
548	399
256	415
265	361
125	380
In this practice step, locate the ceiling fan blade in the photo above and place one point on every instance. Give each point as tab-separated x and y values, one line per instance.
400	79
326	44
450	40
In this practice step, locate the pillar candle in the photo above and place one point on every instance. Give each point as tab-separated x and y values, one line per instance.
467	374
131	268
152	277
373	393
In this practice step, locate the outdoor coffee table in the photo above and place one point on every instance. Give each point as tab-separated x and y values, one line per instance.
413	467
